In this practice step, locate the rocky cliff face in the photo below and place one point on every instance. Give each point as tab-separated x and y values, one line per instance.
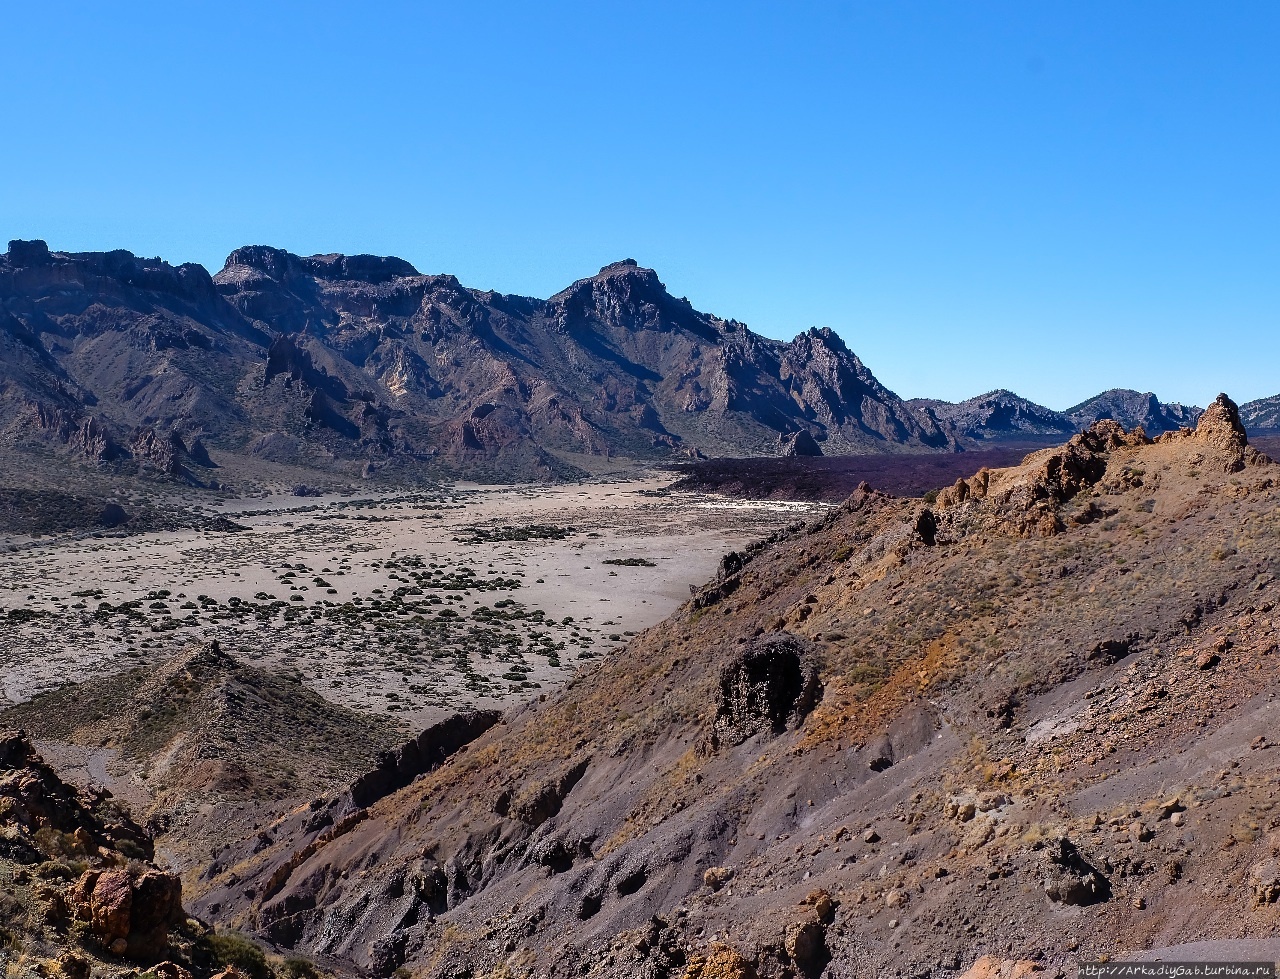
350	360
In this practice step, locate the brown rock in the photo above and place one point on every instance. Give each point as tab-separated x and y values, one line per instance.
111	901
1220	426
170	970
716	877
806	944
128	911
824	904
1264	878
721	962
990	967
73	966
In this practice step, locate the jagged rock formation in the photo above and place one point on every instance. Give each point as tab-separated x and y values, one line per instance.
130	911
355	360
899	741
800	444
52	832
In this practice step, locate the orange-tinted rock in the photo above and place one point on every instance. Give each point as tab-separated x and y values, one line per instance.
1220	426
990	967
722	962
129	912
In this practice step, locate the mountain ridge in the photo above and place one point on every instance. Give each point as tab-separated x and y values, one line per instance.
362	361
363	365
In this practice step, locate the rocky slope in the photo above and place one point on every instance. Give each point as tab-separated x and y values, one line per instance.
1031	721
361	362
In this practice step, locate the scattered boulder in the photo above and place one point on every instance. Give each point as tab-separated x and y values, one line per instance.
112	515
169	970
716	877
823	904
73	966
129	911
720	962
1070	879
799	443
1264	880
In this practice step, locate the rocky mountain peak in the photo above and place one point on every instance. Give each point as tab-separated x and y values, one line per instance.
273	262
626	263
1132	408
624	295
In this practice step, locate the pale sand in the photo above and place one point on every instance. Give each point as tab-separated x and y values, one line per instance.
408	661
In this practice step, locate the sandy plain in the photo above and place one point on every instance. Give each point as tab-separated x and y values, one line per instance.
414	603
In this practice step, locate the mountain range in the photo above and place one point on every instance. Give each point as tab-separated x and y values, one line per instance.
361	363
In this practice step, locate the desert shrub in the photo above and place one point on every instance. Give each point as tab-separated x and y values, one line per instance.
56	843
232	948
296	967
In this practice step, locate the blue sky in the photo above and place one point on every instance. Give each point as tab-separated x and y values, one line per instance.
1051	197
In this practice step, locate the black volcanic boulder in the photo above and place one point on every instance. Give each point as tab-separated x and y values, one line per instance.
799	443
112	515
771	684
1070	879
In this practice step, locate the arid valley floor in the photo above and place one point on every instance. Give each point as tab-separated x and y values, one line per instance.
414	604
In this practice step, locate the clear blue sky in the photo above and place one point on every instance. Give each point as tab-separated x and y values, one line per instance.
1047	196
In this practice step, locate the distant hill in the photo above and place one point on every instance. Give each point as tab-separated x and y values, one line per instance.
1002	416
1132	408
1262	417
999	415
